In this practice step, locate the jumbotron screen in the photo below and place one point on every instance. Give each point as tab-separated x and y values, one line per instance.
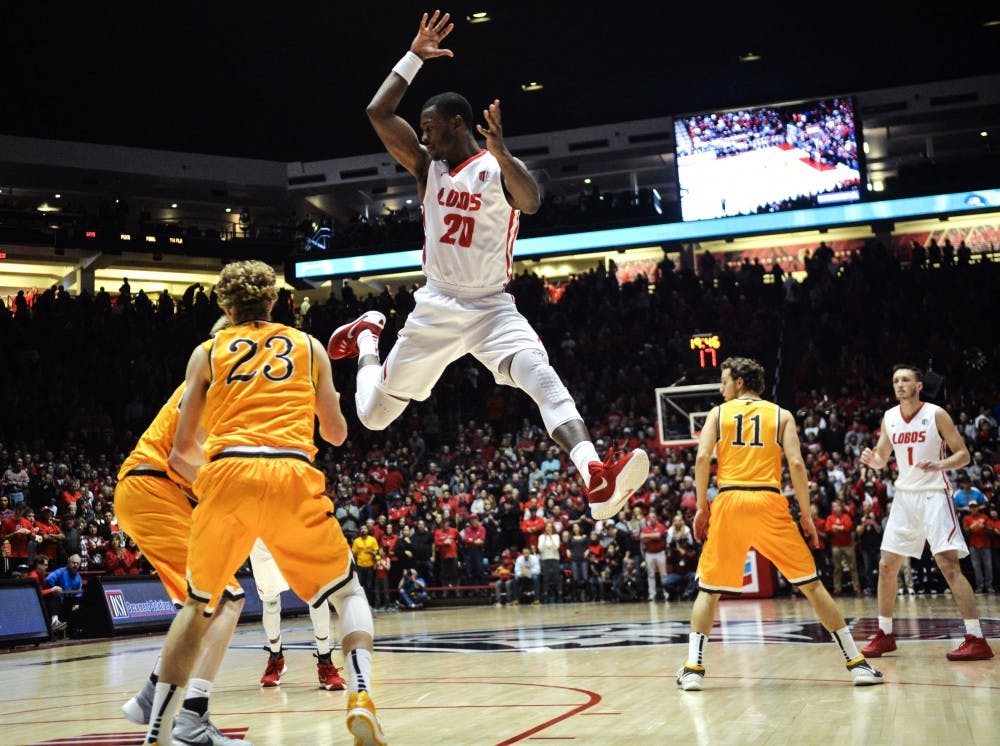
768	159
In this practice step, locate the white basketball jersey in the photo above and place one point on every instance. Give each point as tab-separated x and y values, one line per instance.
469	228
914	440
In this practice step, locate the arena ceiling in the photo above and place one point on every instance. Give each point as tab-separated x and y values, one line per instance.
290	82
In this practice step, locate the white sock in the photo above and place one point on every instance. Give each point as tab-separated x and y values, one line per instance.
696	649
198	688
367	343
885	624
973	627
166	703
582	454
359	669
846	642
156	667
321	627
271	620
368	376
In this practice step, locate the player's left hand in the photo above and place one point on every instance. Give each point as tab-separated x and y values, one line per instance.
493	131
701	524
809	528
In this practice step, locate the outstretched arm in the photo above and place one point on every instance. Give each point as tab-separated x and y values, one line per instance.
522	189
399	138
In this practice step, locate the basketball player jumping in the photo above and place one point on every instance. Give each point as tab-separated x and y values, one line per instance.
916	432
472	200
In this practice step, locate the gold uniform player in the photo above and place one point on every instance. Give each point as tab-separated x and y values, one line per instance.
154	506
752	435
258	388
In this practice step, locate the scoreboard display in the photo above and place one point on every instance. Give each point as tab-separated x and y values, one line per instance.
706	350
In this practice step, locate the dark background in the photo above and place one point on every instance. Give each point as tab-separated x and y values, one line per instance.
290	82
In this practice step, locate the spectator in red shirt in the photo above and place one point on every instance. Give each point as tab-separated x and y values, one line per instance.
503	574
995	546
473	542
979	530
595	566
50	533
117	559
532	525
394	481
19	530
653	539
446	546
840	529
70	493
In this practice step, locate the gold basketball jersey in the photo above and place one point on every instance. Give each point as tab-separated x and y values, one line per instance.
749	452
262	390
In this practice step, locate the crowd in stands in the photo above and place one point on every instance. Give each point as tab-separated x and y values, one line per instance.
589	209
825	130
466	488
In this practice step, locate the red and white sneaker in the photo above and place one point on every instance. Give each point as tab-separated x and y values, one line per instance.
329	677
344	340
880	645
275	669
612	482
972	649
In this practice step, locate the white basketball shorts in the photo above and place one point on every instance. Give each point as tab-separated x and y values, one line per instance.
917	517
270	582
442	328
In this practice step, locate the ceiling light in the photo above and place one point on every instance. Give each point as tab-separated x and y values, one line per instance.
46	207
750	57
532	86
229	210
409	201
984	133
587	180
479	17
58	196
173	205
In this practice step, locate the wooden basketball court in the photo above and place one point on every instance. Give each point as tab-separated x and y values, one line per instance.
580	673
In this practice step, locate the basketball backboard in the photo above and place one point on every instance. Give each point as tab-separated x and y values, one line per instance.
681	412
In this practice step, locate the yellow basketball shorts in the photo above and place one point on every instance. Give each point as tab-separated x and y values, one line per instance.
278	499
156	513
741	519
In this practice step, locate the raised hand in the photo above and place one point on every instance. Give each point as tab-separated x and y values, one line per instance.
432	31
493	131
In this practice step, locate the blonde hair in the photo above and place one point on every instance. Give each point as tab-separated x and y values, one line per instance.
248	288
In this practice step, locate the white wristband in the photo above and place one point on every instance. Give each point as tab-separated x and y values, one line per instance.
408	66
